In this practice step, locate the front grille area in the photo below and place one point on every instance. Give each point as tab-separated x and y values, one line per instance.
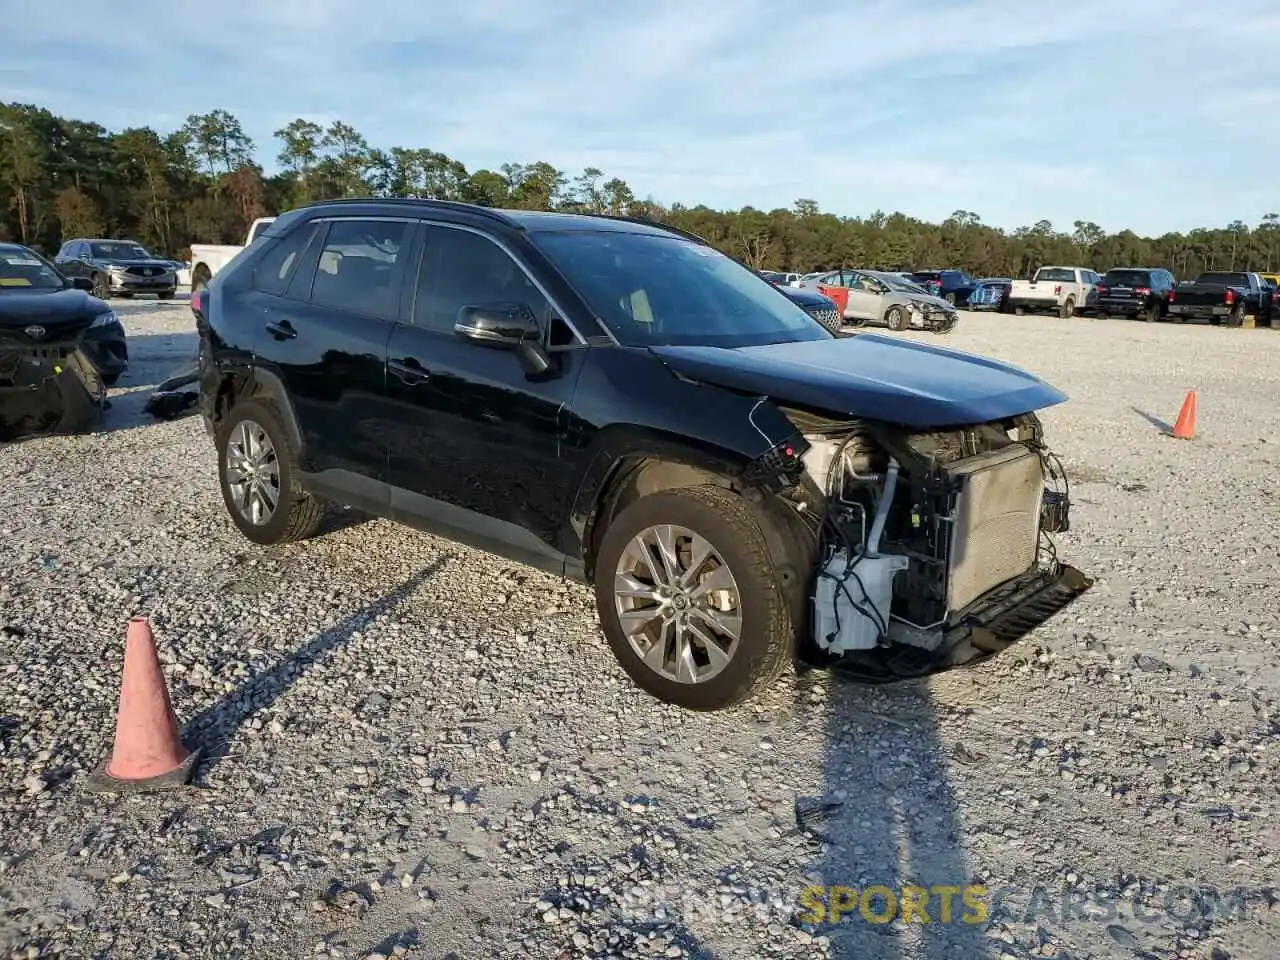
145	271
995	534
827	316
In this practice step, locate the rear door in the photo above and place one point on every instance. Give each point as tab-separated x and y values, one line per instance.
476	450
325	336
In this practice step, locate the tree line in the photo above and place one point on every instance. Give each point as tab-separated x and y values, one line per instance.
204	183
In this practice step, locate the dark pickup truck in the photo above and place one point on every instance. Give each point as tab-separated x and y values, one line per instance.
1223	297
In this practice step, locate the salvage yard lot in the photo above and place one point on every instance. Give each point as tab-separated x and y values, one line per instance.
412	746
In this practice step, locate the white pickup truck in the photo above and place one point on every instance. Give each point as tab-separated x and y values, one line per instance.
1064	290
207	259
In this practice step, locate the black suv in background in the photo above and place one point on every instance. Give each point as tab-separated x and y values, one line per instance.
615	401
117	268
953	286
1140	292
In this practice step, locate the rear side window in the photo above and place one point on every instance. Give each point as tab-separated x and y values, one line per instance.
277	265
360	266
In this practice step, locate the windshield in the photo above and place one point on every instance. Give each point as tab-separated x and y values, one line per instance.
118	250
664	291
901	284
22	269
1127	278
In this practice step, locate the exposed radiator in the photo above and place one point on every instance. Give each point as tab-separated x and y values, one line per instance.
996	528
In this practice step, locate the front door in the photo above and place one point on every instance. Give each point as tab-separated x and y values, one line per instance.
325	336
476	451
864	298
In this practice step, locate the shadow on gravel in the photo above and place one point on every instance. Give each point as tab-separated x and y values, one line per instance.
214	726
896	828
1156	422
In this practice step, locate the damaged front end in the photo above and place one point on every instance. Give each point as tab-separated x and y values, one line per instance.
935	546
48	384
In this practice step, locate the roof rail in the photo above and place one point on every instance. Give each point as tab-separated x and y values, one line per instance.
489	212
643	221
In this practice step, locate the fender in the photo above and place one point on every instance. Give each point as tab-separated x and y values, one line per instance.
619	452
263	384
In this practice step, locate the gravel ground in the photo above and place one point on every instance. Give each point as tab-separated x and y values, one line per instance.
413	748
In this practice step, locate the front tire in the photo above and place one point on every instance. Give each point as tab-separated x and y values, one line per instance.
101	289
258	473
896	318
689	598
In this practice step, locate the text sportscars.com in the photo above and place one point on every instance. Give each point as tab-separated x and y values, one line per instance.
960	904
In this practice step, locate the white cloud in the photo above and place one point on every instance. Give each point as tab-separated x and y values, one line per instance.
1143	113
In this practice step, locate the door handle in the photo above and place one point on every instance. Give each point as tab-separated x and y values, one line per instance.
409	371
282	330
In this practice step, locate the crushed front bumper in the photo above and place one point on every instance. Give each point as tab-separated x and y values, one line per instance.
48	391
986	627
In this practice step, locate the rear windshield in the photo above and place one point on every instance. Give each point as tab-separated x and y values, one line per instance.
1056	275
1227	279
925	276
1128	278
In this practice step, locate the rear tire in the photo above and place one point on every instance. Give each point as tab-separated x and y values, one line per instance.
950	298
896	318
1236	317
1152	313
766	635
199	280
296	514
1101	314
1068	308
1019	311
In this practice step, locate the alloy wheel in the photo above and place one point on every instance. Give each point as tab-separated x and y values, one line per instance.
253	472
678	604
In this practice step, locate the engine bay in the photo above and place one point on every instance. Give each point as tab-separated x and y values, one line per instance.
917	530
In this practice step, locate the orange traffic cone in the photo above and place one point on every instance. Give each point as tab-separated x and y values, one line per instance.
148	752
1185	427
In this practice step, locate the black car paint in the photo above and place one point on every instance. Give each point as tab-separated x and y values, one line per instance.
1119	292
1250	295
459	438
953	285
48	378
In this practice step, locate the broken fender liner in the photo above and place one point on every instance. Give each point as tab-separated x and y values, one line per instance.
39	396
170	400
992	625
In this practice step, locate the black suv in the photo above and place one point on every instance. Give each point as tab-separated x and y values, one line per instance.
117	268
616	401
1141	292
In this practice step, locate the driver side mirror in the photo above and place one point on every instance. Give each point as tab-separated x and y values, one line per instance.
82	283
510	326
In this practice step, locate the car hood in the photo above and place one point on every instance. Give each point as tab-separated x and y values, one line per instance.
125	264
806	298
922	299
59	312
873	377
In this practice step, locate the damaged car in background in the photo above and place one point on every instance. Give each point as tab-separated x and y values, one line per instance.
618	402
872	296
59	347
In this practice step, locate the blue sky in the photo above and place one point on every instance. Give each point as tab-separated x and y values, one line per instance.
1151	114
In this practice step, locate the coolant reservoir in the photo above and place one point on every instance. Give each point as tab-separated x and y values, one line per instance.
852	605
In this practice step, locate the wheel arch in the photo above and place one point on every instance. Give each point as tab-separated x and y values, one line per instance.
243	383
637	463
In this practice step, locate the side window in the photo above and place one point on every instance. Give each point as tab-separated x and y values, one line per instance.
64	252
273	271
359	267
461	269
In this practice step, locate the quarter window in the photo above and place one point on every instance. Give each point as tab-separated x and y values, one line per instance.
278	263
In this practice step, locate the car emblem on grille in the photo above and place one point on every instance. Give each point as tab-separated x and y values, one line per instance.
35	333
